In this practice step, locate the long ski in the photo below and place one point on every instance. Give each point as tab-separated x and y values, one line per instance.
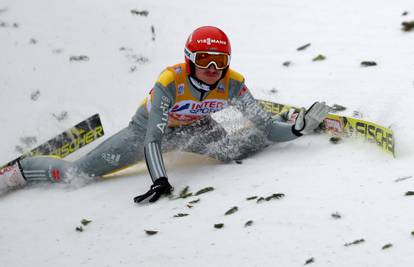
338	125
68	141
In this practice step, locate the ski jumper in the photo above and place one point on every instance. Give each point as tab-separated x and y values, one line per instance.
175	115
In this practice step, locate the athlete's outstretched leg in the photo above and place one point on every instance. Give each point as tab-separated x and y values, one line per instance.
117	152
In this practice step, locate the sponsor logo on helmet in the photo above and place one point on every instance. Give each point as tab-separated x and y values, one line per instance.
181	89
189	107
210	41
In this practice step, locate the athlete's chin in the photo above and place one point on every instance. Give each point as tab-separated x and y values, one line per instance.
211	80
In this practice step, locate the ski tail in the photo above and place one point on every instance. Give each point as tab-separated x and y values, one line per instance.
68	141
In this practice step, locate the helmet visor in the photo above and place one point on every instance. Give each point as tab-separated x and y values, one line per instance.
205	59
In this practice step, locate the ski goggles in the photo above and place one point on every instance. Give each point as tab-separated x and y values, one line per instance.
204	59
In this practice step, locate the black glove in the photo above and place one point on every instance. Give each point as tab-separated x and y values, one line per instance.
160	186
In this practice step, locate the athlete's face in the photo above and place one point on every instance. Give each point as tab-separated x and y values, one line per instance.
210	75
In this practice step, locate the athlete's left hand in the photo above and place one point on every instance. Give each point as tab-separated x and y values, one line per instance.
309	120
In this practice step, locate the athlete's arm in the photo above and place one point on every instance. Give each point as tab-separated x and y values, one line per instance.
158	105
157	124
275	130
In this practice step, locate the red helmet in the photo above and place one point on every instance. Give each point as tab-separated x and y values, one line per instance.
208	39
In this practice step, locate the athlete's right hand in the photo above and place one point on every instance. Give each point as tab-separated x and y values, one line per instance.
161	186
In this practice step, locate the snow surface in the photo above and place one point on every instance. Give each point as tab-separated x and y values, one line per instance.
353	179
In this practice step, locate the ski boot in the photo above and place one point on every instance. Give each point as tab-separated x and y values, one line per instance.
11	176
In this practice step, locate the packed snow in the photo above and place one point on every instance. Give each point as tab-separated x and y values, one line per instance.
85	57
